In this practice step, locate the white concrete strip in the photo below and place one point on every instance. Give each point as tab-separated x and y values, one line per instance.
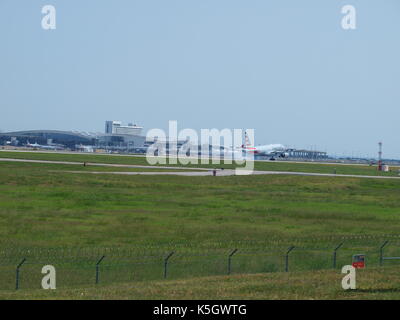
324	174
222	173
148	173
100	164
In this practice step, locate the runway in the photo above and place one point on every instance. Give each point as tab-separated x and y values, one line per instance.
228	172
100	164
181	170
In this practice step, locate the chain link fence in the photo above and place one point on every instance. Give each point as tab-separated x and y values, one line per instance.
20	268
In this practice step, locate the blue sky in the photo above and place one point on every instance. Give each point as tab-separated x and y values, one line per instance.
284	67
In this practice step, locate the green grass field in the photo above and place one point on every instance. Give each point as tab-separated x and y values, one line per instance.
39	206
44	209
371	284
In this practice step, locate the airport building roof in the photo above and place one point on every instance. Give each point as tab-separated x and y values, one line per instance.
65	136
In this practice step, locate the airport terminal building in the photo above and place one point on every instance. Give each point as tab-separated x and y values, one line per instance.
117	137
47	137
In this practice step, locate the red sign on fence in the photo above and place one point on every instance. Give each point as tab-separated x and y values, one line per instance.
358	261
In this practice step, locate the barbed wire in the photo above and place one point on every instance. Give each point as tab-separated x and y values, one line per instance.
12	253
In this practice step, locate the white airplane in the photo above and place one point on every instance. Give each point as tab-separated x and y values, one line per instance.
270	150
36	145
32	145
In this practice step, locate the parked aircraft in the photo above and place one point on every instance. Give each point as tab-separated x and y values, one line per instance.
40	146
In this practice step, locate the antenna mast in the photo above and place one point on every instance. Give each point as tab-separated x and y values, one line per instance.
380	157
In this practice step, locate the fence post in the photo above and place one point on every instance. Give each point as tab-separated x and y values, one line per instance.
381	252
17	274
230	260
166	264
287	258
97	268
334	254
